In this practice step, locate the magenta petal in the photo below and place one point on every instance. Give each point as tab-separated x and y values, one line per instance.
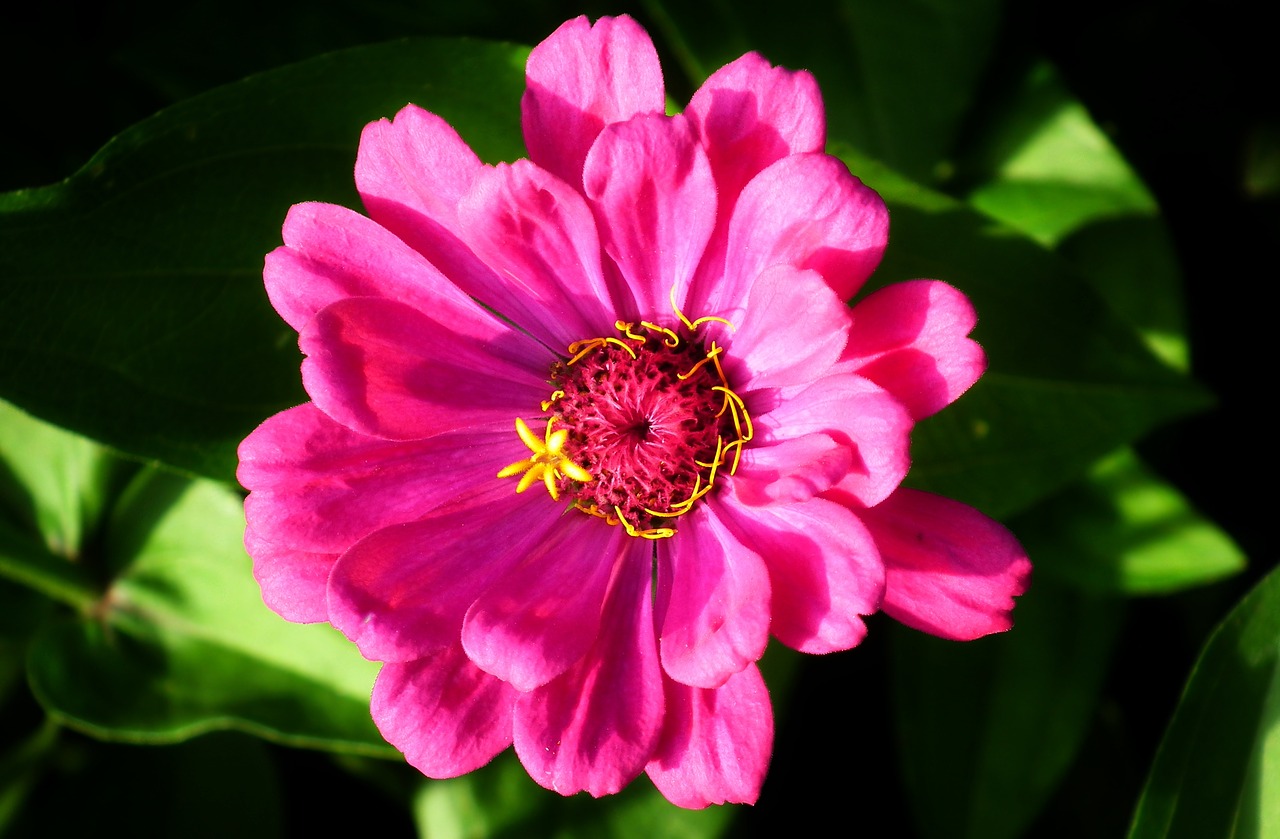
651	187
824	570
539	235
580	79
318	486
807	211
854	412
792	331
387	370
750	113
910	338
412	172
331	253
542	616
594	728
713	602
950	570
293	582
715	743
402	592
446	715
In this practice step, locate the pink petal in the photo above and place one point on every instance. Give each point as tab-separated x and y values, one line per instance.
411	173
848	409
791	332
594	728
713	602
715	743
910	338
402	592
293	582
581	79
317	486
651	188
807	211
446	715
385	369
331	253
539	236
792	470
748	114
824	570
542	616
950	571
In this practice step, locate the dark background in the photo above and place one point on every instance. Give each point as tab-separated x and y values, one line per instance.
1188	94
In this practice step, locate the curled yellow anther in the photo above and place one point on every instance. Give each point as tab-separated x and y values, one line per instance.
549	462
581	348
652	533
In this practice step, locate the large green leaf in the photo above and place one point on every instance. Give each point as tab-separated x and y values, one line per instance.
988	728
1123	530
1217	774
131	297
180	642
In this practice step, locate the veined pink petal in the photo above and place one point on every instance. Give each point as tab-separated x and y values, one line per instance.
581	79
712	604
807	211
650	185
824	570
950	570
412	172
402	592
539	235
750	113
318	486
747	115
446	715
715	743
791	332
854	412
293	582
542	616
792	470
911	339
595	727
385	369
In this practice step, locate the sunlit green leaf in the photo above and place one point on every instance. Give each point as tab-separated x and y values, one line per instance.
988	728
1217	774
1124	530
131	296
181	643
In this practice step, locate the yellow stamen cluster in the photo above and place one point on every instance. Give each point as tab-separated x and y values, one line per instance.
549	462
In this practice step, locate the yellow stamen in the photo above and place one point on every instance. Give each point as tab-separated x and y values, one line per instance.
711	354
652	533
669	337
549	463
581	348
551	400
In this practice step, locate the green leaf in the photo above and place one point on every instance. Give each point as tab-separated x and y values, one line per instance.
988	728
182	644
1045	168
1217	773
500	800
1123	530
131	299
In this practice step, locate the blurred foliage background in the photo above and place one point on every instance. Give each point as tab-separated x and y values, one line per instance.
1135	143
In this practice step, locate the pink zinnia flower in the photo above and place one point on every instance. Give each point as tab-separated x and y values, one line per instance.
586	428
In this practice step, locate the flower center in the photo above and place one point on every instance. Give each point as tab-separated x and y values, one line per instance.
638	426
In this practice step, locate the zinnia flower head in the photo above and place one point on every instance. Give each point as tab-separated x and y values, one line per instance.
587	428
